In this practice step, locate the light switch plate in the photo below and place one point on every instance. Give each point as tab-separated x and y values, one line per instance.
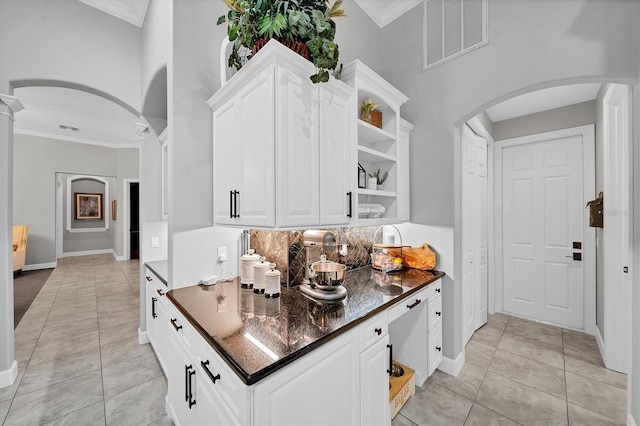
155	242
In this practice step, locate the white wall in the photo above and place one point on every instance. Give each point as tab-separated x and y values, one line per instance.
633	398
36	161
68	41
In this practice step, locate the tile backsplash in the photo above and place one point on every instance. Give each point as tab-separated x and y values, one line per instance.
285	249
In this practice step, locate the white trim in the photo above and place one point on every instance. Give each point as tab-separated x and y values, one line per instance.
599	341
630	420
589	244
106	211
383	15
87	252
74	230
59	216
143	337
452	366
14	104
8	377
85	141
38	266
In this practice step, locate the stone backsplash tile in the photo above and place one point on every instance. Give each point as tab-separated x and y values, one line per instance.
284	248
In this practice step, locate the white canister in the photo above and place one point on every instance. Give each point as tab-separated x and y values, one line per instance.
272	282
259	269
248	260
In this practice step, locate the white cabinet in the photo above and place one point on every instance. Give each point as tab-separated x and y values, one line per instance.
320	388
374	372
378	149
156	316
280	145
182	397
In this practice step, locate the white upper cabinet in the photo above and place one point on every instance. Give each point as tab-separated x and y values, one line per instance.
280	145
382	147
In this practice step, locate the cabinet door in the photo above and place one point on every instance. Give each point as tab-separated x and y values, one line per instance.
226	160
297	149
335	147
162	340
435	348
211	407
374	384
152	314
180	381
321	388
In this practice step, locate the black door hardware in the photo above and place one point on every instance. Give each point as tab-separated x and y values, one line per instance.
350	196
378	331
390	370
153	307
160	292
173	323
414	304
204	365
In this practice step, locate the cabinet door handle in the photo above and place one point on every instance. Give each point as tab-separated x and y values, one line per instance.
438	290
378	331
149	278
438	348
186	382
390	370
231	204
438	313
153	307
235	203
350	197
191	401
160	292
204	365
173	323
414	304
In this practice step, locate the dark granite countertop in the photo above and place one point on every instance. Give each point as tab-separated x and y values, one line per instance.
159	269
230	317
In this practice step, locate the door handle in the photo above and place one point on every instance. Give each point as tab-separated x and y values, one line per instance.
576	256
349	196
153	307
390	370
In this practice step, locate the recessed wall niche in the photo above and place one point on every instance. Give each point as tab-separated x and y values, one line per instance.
94	189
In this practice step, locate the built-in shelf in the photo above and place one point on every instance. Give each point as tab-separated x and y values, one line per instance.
376	192
373	134
372	156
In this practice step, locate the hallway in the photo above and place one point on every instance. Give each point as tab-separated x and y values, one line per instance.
80	364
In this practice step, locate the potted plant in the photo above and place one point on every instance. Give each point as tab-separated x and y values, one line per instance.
368	113
305	26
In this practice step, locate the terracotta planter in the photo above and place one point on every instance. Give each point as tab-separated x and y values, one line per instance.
374	118
297	46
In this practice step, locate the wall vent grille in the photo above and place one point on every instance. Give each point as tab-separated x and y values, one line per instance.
452	28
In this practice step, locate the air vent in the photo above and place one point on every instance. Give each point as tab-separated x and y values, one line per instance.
452	28
70	128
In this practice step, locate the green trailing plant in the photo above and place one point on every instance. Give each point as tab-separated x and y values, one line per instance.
309	22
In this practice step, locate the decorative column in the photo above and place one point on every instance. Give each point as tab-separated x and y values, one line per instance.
8	365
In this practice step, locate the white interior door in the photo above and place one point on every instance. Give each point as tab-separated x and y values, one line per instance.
474	231
542	217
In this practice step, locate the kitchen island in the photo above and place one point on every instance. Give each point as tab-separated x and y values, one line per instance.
243	358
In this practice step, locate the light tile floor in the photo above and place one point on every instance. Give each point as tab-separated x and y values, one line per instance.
522	372
80	364
78	355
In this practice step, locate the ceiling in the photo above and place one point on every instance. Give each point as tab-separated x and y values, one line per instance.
98	120
543	100
132	11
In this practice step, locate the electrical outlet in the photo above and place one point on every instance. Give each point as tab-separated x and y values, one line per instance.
222	254
155	242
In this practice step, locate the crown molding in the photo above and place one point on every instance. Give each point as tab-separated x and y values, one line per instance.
382	12
12	102
93	142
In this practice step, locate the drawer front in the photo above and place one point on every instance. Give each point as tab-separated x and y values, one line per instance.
436	288
216	375
435	312
415	301
179	327
160	288
373	330
434	340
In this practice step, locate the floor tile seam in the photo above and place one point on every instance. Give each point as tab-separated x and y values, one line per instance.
75	411
494	411
486	370
55	384
532	359
564	370
57	359
511	333
531	387
594	379
593	411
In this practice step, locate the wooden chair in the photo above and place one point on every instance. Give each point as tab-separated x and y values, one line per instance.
20	233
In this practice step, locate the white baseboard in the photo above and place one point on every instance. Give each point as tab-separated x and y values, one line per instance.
452	366
143	337
118	258
38	266
8	377
630	420
87	252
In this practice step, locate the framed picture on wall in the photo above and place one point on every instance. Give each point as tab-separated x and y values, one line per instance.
88	206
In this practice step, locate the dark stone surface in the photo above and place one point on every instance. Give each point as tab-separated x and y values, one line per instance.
292	325
26	286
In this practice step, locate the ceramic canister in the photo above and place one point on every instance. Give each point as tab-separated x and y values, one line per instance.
272	282
259	269
248	260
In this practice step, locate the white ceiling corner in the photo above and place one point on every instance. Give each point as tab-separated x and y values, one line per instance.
385	11
131	11
543	100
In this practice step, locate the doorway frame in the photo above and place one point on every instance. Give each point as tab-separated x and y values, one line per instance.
589	236
126	213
